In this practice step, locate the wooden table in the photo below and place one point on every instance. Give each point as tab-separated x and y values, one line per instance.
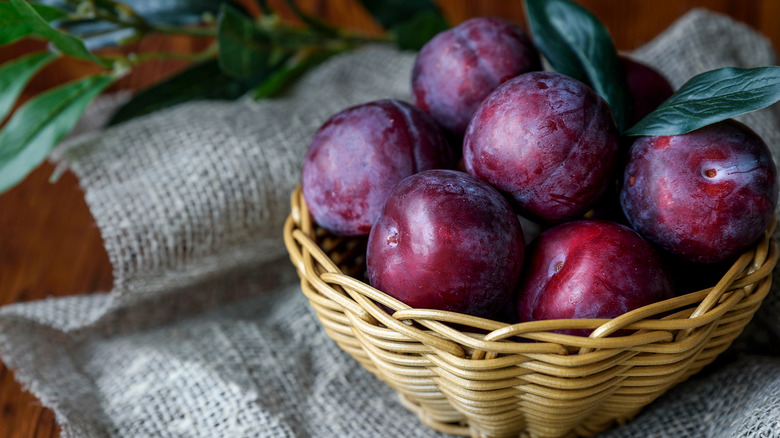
50	245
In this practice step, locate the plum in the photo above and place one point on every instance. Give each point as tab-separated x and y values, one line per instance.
358	155
548	141
459	67
446	240
704	196
647	87
590	269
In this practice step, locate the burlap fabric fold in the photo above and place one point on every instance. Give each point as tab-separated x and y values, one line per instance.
206	332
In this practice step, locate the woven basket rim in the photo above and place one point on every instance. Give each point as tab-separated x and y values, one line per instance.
738	284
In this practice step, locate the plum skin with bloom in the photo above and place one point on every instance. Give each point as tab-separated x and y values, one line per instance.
548	141
359	154
704	196
446	240
459	67
590	269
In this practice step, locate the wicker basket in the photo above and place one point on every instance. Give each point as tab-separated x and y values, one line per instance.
490	381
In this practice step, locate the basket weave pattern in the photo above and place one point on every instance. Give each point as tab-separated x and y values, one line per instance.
483	378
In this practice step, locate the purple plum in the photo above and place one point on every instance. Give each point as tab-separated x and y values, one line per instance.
446	240
590	269
360	154
704	196
548	141
459	67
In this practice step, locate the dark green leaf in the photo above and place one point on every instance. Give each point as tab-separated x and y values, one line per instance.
390	13
245	51
547	37
291	71
711	97
13	26
48	13
411	22
415	32
202	81
577	44
15	74
68	44
37	126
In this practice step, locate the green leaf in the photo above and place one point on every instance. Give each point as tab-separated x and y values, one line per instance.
48	13
245	51
13	26
36	127
577	44
68	44
393	12
711	97
200	82
415	32
411	22
15	74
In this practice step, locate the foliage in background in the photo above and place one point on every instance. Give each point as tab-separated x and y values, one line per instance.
261	56
258	56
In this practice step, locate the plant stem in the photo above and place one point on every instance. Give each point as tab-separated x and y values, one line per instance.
282	34
177	30
145	27
209	52
134	59
354	38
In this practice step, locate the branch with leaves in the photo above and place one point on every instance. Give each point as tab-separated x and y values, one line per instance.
258	56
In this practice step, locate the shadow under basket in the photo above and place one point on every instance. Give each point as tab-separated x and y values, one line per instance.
477	377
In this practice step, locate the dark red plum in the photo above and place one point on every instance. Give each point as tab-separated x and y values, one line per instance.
704	196
360	154
548	141
590	269
446	240
647	87
459	67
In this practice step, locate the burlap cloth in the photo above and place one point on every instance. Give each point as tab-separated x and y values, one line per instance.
206	332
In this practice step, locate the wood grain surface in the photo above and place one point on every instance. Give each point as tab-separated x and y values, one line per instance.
50	245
